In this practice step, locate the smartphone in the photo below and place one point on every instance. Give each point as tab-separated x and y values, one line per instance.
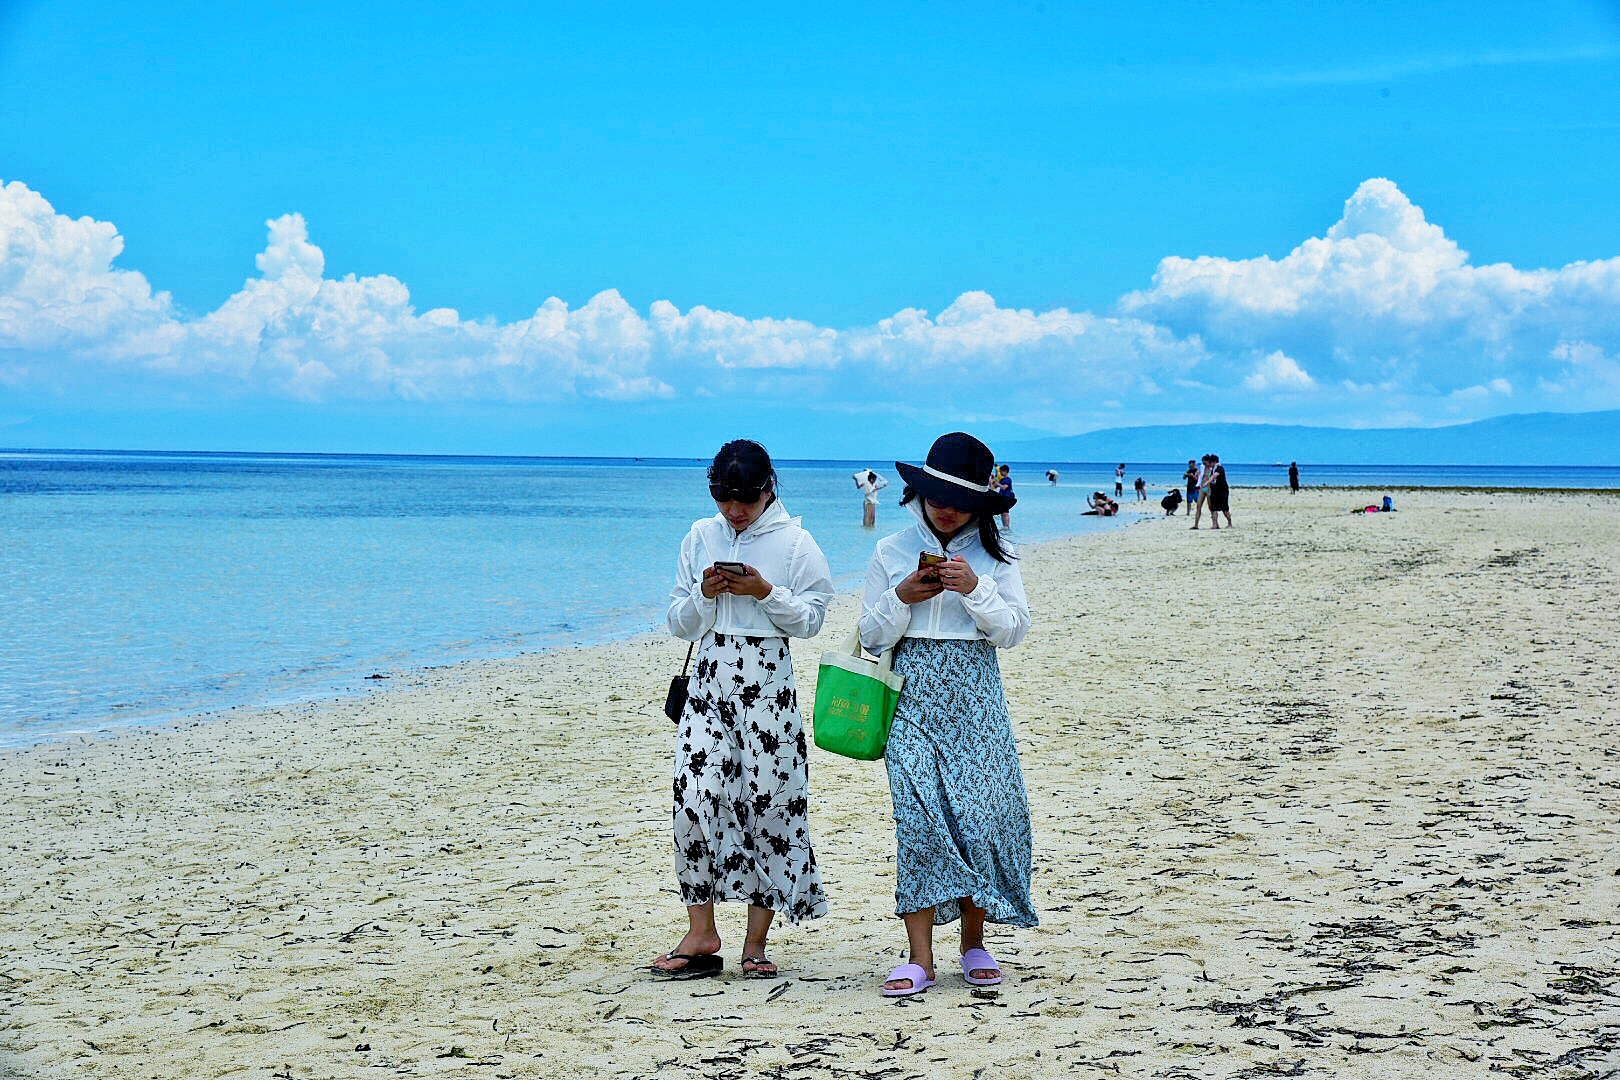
737	568
926	558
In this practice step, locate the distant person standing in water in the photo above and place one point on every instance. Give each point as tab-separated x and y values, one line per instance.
1141	490
1293	476
1119	480
869	483
1191	476
1052	477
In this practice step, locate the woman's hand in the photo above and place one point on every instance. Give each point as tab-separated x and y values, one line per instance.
749	584
957	576
919	585
715	582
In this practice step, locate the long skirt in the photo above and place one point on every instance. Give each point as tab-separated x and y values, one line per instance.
742	782
961	818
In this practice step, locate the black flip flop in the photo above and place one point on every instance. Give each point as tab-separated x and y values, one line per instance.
756	974
698	966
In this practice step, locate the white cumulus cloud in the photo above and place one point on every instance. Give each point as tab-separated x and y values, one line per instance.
292	331
1382	315
59	290
1278	371
1385	298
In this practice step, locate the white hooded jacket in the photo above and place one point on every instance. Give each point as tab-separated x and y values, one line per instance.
995	610
784	554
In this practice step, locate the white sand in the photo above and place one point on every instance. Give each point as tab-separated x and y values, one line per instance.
1322	796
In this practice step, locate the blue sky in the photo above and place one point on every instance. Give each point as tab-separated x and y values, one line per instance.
639	228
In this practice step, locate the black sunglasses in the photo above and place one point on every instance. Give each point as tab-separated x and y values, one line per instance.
722	493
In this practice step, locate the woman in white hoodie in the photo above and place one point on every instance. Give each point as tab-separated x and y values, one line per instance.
748	579
962	832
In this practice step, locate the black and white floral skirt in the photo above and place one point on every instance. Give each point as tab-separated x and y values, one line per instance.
742	782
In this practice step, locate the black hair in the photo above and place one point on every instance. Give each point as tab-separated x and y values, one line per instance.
989	532
743	465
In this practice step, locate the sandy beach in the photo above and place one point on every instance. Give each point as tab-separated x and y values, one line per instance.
1321	795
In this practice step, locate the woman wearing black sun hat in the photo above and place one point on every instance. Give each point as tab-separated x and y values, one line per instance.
945	594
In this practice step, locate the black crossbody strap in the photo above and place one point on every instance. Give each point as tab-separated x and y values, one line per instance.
688	661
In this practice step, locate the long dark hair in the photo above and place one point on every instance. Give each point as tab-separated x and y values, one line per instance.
989	531
743	465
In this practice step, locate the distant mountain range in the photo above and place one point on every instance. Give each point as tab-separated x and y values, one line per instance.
1591	438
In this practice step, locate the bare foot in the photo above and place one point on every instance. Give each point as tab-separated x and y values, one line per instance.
691	945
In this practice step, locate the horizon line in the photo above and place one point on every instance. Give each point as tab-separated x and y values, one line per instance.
633	458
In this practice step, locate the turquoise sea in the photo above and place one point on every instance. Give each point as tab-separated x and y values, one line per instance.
140	587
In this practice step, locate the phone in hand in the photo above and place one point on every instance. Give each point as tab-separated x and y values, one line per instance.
927	559
735	568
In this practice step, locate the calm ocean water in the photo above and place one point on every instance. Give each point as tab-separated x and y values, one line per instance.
141	587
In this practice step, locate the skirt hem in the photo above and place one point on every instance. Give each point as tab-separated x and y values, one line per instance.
788	913
947	910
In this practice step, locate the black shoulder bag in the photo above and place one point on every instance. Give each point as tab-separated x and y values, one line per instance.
675	700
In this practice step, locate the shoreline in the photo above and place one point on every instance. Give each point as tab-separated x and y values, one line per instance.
1324	795
330	691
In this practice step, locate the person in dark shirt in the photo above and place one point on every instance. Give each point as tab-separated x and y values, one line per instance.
1220	494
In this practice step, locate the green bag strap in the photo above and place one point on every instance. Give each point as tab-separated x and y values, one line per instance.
853	647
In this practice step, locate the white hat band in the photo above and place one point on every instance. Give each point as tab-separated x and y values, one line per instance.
957	480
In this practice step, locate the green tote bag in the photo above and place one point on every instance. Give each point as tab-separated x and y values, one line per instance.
855	700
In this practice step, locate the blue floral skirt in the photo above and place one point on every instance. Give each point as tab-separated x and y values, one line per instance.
961	818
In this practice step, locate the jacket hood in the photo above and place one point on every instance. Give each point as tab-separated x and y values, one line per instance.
772	519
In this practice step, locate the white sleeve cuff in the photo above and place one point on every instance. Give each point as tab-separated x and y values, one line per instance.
984	591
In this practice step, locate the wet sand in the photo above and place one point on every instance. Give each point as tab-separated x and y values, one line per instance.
1321	795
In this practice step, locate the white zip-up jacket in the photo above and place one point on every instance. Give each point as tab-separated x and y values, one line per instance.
784	554
995	610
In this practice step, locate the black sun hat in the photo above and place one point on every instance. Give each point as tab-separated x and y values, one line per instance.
958	473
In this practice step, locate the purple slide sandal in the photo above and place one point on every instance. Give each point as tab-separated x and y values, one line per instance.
918	976
979	960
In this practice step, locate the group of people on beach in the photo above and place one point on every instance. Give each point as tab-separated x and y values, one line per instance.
1119	484
1100	504
1207	488
941	597
869	483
